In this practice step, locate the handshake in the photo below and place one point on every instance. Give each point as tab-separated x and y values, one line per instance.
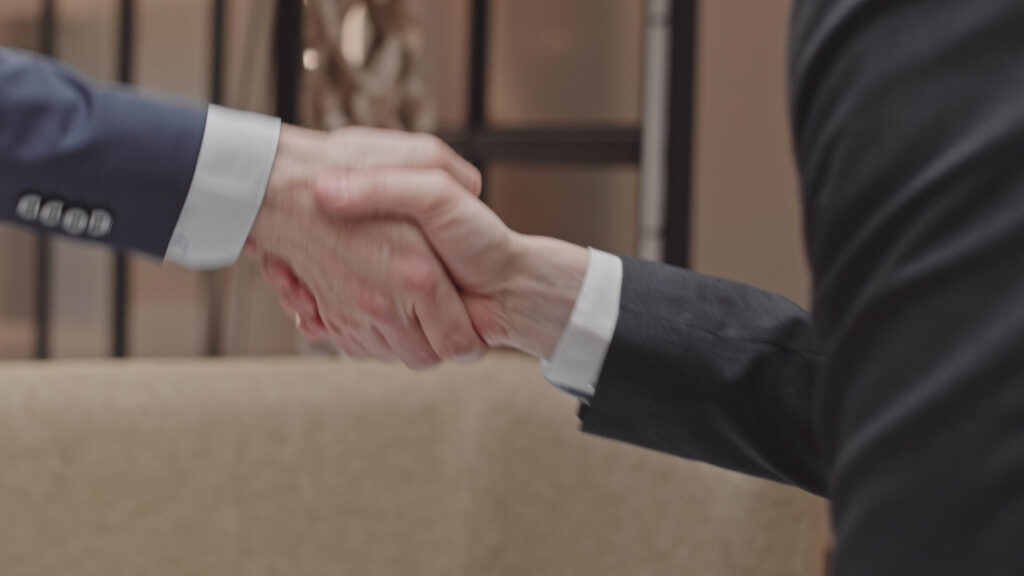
378	243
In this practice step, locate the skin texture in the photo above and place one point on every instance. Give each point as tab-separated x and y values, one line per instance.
373	287
519	290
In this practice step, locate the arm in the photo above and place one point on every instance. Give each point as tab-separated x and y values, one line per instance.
699	367
711	370
195	184
71	154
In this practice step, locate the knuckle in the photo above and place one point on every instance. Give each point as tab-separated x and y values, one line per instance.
441	180
350	349
478	181
370	182
420	278
436	152
458	347
337	322
439	186
421	361
376	306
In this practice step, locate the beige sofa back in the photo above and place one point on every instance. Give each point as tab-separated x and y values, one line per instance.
317	467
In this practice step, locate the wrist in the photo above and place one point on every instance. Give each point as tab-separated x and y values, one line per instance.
545	278
289	188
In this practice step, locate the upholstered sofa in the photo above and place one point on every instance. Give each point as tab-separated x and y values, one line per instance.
307	467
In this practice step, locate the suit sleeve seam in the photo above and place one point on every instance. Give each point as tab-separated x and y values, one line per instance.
713	334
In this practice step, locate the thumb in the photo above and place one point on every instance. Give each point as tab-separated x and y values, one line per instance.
488	320
412	194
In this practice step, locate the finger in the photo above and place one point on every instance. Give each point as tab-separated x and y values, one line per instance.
286	297
311	329
308	323
376	345
302	302
286	304
416	195
294	296
447	326
467	175
279	275
411	346
303	318
486	316
392	149
306	301
351	347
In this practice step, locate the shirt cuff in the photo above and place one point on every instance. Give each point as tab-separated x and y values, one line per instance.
579	355
227	190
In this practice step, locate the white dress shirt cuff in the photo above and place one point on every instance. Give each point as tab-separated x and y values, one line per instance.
579	355
235	159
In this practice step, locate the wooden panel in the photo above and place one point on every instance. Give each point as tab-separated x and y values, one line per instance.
747	223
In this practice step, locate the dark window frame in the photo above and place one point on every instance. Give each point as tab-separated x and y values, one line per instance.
480	142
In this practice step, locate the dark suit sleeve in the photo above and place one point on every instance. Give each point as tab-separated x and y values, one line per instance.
94	148
711	370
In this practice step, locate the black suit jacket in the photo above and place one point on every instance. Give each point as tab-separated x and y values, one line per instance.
711	370
903	400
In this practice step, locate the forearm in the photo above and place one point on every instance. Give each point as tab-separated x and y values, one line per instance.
711	370
538	295
699	367
89	150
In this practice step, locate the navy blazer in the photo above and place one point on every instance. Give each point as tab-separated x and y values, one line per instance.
89	161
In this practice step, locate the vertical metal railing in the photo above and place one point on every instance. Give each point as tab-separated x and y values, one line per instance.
48	46
288	57
680	136
288	26
125	75
215	280
477	102
654	160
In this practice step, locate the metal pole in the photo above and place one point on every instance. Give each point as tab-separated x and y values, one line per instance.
288	48
680	137
44	258
477	120
654	159
215	280
121	262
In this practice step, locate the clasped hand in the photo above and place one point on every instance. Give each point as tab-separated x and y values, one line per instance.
378	243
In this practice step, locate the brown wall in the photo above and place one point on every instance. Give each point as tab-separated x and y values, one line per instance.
747	223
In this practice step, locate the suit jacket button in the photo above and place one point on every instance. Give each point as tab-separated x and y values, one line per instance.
50	213
28	207
75	221
100	224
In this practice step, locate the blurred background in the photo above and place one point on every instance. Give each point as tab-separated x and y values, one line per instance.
643	127
651	128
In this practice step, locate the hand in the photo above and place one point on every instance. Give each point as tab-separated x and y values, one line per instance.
374	287
519	290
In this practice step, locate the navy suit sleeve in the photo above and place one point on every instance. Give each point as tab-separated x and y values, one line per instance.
711	370
94	148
